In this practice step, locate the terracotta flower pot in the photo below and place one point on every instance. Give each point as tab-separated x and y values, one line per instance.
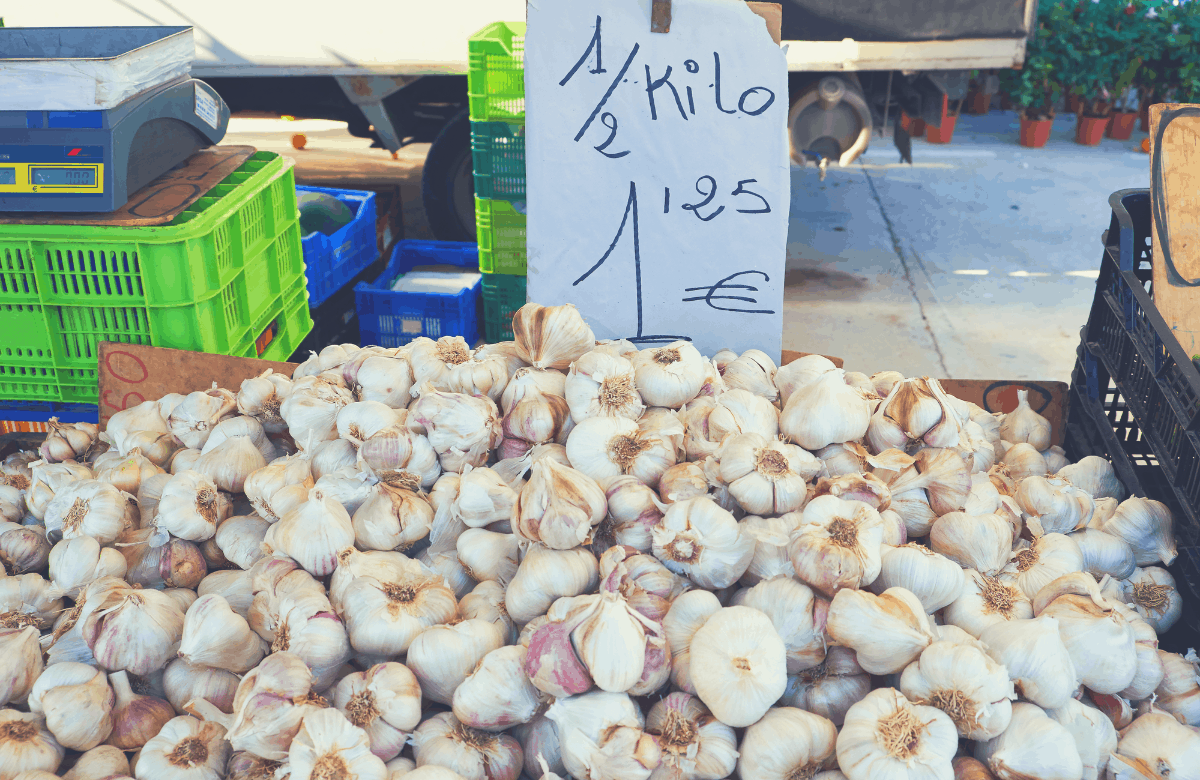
1121	124
1089	130
915	127
980	102
943	134
1035	132
1144	116
1074	104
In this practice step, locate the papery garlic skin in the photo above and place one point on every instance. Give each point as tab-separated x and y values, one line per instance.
1147	527
787	743
966	684
215	635
887	631
744	662
886	737
982	542
825	412
1037	660
497	694
1103	553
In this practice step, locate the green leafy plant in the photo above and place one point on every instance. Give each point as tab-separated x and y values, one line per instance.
1034	88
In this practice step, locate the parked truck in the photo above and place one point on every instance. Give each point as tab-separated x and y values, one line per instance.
395	71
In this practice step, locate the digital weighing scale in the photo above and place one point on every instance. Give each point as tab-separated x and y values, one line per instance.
89	116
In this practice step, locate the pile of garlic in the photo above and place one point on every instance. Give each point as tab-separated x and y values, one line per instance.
557	557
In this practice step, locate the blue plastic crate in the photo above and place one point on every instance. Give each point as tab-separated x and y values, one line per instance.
41	411
392	319
332	261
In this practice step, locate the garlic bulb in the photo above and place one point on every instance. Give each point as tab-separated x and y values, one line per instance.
1057	505
313	534
800	372
135	718
387	610
28	599
670	375
88	508
185	747
551	336
20	663
77	703
633	511
463	429
1034	745
1022	461
270	704
826	411
66	441
703	542
134	629
1099	639
1103	553
23	548
544	575
1146	525
941	473
914	411
46	479
476	755
26	745
603	447
486	602
330	456
838	545
1056	459
1153	595
240	539
887	631
479	496
934	579
1023	424
497	694
487	555
183	682
441	657
602	385
396	454
146	417
98	763
361	420
694	744
797	615
866	488
708	420
383	378
193	419
886	737
688	612
392	518
1095	476
128	473
311	410
328	745
191	507
1095	737
1036	657
384	701
787	743
431	360
558	506
771	536
183	460
961	680
1156	743
744	662
260	397
1076	583
552	663
602	739
766	477
215	635
831	688
1039	563
535	384
982	542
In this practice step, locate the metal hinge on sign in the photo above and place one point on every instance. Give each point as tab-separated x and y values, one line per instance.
660	16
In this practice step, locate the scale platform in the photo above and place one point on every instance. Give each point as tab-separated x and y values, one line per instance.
66	146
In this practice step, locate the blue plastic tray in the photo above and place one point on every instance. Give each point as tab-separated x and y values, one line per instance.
331	262
41	411
392	319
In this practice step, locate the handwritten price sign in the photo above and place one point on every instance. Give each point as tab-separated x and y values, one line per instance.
657	171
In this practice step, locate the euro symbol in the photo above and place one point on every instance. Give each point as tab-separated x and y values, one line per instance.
711	295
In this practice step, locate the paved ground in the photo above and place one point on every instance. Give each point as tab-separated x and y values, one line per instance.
977	261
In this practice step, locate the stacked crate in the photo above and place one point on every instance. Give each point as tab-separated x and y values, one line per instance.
496	87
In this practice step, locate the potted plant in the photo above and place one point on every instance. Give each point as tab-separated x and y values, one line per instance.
1033	89
1125	107
942	133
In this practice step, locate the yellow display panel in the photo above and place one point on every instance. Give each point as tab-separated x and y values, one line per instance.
58	178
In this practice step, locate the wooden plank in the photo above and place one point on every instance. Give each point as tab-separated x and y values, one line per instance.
1175	209
790	355
161	200
852	55
131	373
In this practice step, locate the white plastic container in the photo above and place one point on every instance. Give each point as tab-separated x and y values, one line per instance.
88	68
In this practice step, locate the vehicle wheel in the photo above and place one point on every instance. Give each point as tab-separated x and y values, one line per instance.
448	186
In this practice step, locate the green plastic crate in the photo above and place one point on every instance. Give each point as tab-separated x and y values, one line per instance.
502	296
500	230
225	276
498	153
496	74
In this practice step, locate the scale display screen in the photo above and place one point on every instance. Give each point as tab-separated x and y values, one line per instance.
8	175
63	177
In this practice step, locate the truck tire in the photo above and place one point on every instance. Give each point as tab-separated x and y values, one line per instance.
447	185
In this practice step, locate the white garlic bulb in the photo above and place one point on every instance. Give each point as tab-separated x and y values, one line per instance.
887	631
1036	564
558	506
1103	553
1034	745
800	372
886	737
29	599
551	336
396	454
486	602
688	612
1146	525
1153	595
183	682
431	360
99	763
311	410
386	611
383	378
487	555
89	508
744	663
133	629
193	419
982	542
270	704
838	545
191	507
67	441
602	385
260	397
442	656
26	745
670	375
771	536
186	747
1158	742
329	456
391	518
703	542
961	680
787	743
476	755
313	534
708	420
215	635
797	615
384	701
497	694
240	539
633	511
20	663
544	575
934	579
766	477
694	744
73	563
831	688
602	739
1095	476
1023	424
603	447
826	411
1095	737
77	703
462	429
327	745
1036	657
146	417
127	473
915	410
46	479
1099	639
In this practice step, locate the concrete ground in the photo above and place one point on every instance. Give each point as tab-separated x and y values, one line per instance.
978	261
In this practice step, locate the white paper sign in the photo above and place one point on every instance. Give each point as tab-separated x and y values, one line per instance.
657	170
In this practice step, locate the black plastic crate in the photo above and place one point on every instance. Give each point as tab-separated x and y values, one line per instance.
1135	396
336	320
